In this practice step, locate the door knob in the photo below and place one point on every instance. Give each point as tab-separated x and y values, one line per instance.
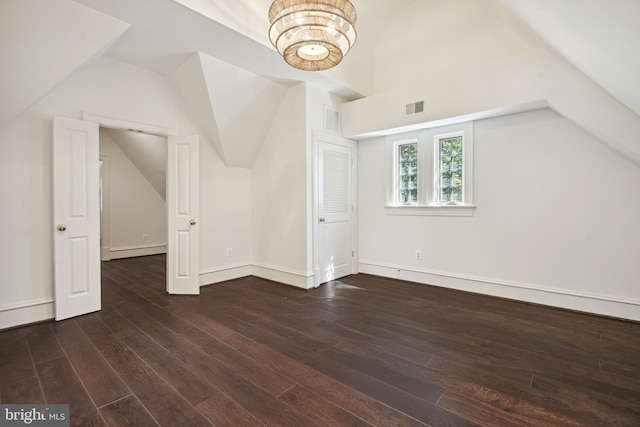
321	219
62	227
192	222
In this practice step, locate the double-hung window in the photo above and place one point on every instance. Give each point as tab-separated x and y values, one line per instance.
432	171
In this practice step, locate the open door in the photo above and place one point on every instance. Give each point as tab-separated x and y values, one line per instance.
76	217
183	208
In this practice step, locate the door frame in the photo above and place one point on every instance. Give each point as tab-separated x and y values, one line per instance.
319	137
119	124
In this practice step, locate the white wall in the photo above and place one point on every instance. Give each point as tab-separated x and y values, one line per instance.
225	218
280	196
135	208
26	291
108	88
427	39
556	220
283	188
37	56
504	83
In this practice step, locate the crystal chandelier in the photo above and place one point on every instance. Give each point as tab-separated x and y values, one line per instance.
312	35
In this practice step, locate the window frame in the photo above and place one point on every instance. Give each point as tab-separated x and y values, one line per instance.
428	169
397	173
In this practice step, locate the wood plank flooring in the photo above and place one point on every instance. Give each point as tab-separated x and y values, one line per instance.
362	351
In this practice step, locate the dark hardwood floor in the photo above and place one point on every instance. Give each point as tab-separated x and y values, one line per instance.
361	351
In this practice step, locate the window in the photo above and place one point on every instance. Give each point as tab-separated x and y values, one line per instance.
432	171
408	173
449	171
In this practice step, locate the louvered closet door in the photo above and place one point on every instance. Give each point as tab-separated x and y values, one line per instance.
335	211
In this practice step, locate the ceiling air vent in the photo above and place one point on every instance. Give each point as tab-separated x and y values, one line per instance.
415	108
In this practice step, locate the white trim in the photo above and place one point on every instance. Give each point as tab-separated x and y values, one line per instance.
111	123
315	217
298	279
105	202
427	141
114	123
607	305
465	130
223	274
415	210
393	143
539	104
134	251
12	315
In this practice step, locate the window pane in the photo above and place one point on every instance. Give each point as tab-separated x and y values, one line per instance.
450	169
408	173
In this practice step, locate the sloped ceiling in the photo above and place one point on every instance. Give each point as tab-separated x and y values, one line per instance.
191	83
235	107
354	76
42	42
165	33
148	153
600	38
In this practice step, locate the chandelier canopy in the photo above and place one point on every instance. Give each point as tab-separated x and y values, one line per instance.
312	35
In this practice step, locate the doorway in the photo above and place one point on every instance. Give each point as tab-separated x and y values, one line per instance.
77	215
133	196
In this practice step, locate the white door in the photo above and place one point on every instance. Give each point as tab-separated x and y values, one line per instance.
182	215
336	207
76	217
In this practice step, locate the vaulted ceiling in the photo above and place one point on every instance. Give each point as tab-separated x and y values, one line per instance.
217	54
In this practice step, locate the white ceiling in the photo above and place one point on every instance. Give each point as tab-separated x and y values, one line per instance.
165	33
600	38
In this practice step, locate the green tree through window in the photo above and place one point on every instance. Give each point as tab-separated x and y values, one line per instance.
408	173
450	178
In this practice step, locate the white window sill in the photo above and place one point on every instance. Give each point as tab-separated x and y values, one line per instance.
421	210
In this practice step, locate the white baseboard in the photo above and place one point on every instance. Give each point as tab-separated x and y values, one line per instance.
26	312
288	277
623	308
222	274
134	251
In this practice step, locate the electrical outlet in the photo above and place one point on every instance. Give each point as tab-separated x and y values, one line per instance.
145	237
229	252
418	255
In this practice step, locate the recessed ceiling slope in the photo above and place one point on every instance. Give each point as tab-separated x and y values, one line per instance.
244	105
355	73
148	153
42	42
191	84
165	33
601	38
